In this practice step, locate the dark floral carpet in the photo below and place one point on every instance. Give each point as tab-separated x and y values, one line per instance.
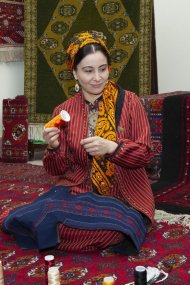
171	191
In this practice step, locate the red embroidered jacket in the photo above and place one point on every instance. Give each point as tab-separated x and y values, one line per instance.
71	163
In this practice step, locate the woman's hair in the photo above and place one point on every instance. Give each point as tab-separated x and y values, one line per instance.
90	49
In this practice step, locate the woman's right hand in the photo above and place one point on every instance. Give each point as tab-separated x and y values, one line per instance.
51	136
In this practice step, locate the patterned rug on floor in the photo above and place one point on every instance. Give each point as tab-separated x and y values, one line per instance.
25	172
161	249
175	200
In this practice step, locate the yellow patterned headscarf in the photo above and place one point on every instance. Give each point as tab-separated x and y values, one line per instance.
80	40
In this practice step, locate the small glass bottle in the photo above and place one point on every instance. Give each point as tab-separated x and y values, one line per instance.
54	276
62	118
140	275
49	262
1	274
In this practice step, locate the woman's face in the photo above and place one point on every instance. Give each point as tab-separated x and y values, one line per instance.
92	74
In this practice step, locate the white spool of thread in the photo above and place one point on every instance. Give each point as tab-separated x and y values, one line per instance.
54	276
1	274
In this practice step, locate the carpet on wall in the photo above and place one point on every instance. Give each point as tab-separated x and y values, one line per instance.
12	30
171	192
160	249
129	31
153	105
15	129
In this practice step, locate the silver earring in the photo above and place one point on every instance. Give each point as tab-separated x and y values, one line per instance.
77	87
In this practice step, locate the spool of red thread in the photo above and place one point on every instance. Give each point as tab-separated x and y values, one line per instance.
49	262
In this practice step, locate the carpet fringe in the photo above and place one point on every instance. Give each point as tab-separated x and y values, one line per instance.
182	219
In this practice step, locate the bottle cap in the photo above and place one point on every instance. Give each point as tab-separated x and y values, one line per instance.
65	116
49	257
140	275
109	280
140	268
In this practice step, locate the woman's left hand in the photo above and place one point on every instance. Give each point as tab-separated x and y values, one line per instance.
98	146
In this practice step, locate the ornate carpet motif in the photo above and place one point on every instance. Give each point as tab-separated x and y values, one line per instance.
127	25
11	30
15	130
161	248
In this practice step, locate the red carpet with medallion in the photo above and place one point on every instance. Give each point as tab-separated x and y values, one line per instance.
166	246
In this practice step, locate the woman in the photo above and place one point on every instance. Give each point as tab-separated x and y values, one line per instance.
102	197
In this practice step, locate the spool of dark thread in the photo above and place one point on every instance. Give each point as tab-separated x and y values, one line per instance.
140	275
